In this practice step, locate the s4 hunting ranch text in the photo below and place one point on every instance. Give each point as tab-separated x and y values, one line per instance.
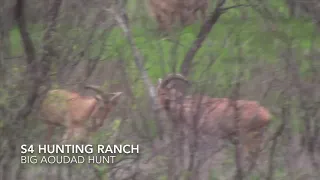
82	149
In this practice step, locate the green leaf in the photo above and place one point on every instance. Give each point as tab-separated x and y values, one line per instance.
116	124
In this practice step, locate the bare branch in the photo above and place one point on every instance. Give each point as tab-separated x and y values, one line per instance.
122	19
202	35
45	62
235	6
26	40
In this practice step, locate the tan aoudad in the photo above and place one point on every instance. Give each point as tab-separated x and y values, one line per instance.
74	112
184	12
214	116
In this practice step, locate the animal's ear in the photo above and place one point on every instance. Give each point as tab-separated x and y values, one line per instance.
115	98
100	101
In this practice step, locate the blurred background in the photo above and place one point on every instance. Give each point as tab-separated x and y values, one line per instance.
267	50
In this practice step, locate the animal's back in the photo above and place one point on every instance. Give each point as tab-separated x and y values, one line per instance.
82	108
164	12
255	115
156	7
55	106
217	114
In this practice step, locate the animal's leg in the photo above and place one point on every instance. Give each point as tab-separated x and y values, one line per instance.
163	22
244	142
183	19
176	17
192	17
160	22
252	147
80	134
94	125
64	138
255	139
50	131
166	25
67	136
100	123
69	130
187	17
75	133
203	14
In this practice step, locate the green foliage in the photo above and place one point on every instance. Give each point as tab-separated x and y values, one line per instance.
3	97
255	42
59	99
35	32
116	124
101	171
151	124
213	175
186	174
259	39
254	177
163	177
280	173
233	45
113	129
15	39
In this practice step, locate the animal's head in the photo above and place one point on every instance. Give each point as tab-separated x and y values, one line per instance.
106	102
164	12
171	88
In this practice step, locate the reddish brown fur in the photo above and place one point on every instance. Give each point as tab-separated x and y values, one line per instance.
71	110
167	12
220	112
189	10
164	12
217	115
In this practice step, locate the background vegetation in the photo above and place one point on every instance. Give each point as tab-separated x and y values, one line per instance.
270	48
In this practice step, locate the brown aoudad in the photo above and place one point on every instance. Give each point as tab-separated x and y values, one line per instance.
215	116
184	12
74	111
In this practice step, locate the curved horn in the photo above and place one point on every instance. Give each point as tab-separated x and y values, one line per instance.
115	95
96	89
171	77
